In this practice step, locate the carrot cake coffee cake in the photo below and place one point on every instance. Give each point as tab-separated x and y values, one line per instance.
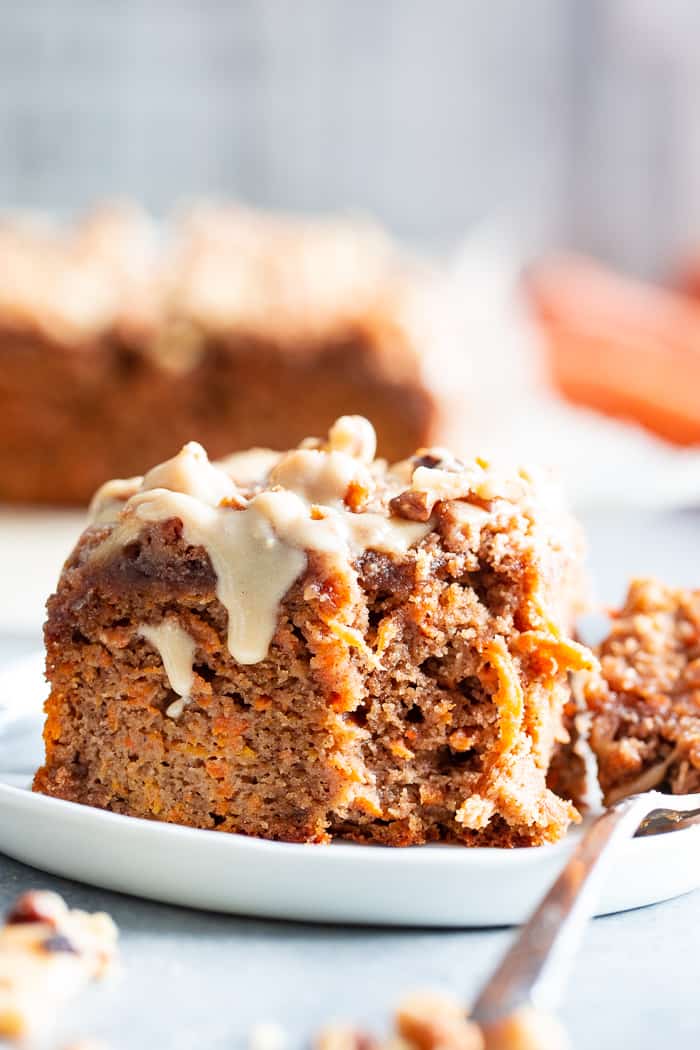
234	328
312	645
637	720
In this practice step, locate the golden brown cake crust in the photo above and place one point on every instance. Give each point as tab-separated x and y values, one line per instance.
406	695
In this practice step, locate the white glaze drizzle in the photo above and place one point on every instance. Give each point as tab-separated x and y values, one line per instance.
176	649
191	472
251	467
258	547
110	499
592	795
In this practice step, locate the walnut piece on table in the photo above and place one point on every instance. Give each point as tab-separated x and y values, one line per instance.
437	1021
425	1020
526	1029
48	952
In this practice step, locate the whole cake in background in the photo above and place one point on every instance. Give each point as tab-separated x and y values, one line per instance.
312	645
120	341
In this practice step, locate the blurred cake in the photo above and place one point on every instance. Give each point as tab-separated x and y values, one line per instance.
312	645
119	342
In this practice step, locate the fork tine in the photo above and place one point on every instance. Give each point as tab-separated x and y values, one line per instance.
664	820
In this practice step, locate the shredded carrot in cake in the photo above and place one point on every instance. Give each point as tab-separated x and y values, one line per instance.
508	697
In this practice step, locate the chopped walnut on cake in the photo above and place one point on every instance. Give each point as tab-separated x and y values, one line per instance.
47	954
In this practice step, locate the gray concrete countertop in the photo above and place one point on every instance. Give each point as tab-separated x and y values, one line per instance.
198	981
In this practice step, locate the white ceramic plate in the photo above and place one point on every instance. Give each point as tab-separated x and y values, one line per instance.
421	886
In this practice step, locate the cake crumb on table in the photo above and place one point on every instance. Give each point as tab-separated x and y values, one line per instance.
267	1035
47	954
437	1021
339	1036
526	1029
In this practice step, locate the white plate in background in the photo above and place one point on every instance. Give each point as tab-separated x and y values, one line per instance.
447	886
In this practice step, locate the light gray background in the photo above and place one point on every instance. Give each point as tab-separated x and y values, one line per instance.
578	121
195	981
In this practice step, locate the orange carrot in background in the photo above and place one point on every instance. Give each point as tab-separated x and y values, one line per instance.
621	346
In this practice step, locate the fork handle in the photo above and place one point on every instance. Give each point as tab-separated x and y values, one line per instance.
535	968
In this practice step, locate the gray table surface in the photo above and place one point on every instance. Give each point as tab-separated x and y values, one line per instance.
195	981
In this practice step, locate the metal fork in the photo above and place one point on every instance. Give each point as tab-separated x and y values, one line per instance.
535	968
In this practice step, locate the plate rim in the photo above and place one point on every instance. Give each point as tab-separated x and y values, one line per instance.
483	885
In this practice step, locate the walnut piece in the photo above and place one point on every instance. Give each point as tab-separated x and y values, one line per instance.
526	1029
47	954
355	436
435	1021
344	1037
37	906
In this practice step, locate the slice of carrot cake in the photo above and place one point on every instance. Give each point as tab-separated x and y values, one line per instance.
638	719
311	645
